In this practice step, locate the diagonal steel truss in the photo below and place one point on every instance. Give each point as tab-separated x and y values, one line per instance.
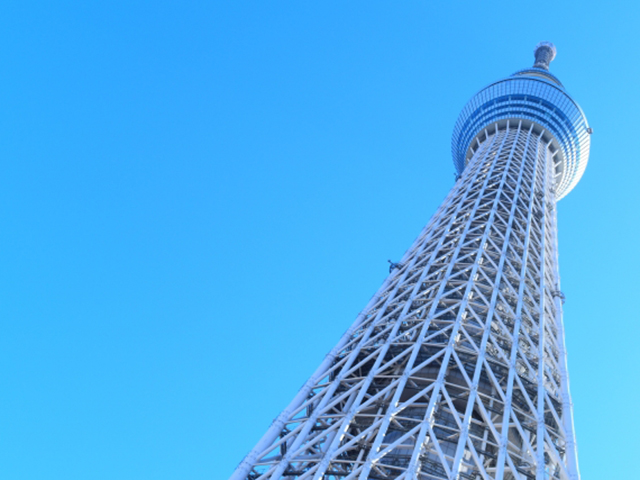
457	367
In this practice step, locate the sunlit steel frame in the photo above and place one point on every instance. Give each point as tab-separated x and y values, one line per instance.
457	367
508	184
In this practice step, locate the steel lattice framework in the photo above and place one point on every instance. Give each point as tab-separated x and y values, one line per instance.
457	367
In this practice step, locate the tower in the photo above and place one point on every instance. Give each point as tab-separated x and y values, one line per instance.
457	369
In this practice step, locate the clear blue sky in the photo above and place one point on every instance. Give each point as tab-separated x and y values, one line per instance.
197	198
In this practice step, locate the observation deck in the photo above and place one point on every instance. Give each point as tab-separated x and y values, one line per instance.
534	96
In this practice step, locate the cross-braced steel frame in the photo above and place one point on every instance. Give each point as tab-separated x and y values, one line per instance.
457	367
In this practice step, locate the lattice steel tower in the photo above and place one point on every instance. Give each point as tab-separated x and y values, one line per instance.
457	368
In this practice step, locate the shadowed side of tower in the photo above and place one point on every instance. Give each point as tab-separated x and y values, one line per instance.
457	367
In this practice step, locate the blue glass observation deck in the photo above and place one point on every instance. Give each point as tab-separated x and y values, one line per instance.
534	96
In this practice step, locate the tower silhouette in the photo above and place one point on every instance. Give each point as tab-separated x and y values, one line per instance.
456	369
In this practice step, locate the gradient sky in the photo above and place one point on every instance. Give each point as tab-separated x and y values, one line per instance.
197	198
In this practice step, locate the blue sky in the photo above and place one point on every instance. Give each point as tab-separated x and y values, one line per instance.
197	198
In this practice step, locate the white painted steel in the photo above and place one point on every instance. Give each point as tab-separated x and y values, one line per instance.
457	367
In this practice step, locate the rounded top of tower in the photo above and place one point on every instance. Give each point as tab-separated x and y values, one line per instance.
544	54
533	95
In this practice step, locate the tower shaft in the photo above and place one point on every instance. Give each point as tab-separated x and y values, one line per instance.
457	368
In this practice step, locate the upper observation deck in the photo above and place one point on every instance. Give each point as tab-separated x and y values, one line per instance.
535	96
